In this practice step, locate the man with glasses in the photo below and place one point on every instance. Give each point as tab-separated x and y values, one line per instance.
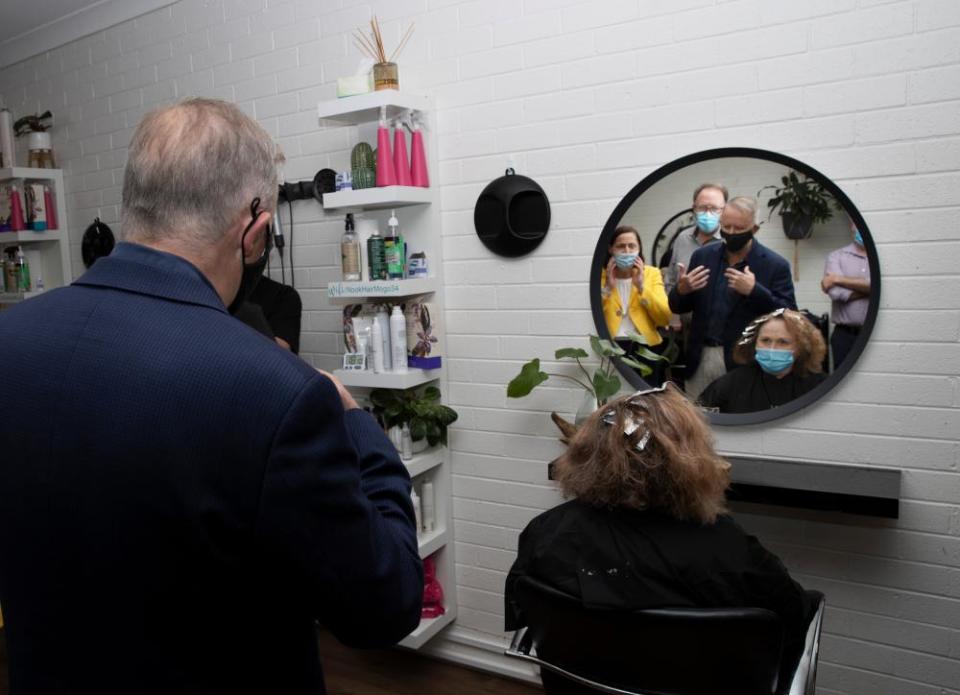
186	499
709	199
729	285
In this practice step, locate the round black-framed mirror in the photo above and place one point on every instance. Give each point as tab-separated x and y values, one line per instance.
669	221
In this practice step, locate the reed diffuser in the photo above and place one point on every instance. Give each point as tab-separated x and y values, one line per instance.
385	74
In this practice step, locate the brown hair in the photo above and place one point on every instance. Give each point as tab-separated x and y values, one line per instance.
627	230
811	347
718	186
677	471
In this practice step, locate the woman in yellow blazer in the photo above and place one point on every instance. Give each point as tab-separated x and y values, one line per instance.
629	282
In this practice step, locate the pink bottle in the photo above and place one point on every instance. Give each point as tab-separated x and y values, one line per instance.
401	163
16	211
386	176
51	209
418	158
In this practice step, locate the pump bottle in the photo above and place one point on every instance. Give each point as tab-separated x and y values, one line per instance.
350	251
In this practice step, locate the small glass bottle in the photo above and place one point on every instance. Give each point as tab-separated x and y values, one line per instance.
350	251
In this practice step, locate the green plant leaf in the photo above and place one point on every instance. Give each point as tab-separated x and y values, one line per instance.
605	386
651	355
529	377
571	352
606	348
635	337
433	434
418	429
644	369
431	393
381	398
446	416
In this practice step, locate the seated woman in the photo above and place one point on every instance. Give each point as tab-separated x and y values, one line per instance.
633	299
782	357
648	527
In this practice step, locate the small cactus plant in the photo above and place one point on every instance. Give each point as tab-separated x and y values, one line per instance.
362	156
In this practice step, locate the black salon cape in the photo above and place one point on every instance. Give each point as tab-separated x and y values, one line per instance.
748	389
274	310
631	559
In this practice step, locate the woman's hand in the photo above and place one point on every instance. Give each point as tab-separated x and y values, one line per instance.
638	276
611	273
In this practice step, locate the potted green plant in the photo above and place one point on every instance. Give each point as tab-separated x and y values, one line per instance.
421	411
801	202
599	386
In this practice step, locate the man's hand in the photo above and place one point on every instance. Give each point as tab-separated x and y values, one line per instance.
741	282
638	277
695	280
829	280
345	397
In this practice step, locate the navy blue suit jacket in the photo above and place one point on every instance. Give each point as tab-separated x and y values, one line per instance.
181	498
773	290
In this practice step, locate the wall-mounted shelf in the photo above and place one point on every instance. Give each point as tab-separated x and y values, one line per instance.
424	461
382	198
351	292
30	237
362	108
29	173
48	251
429	543
427	628
386	380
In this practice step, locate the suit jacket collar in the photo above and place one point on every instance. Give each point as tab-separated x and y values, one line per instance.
144	270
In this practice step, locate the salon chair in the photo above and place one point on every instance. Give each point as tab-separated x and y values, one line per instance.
663	651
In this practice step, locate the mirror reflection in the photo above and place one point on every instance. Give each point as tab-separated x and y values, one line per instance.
743	280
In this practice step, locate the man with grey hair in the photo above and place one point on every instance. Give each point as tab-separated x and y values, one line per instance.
186	499
730	284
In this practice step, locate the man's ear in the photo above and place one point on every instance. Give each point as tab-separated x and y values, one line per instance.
254	242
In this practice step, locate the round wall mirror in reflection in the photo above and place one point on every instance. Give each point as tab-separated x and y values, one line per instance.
745	277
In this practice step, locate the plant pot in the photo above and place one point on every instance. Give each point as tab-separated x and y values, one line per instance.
797	225
587	407
419	445
385	76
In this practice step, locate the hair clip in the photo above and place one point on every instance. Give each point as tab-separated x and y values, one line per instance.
630	425
746	338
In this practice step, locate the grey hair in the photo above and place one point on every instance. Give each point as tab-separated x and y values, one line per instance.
745	204
192	171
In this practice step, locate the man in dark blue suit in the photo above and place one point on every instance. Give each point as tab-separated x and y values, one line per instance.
730	284
181	499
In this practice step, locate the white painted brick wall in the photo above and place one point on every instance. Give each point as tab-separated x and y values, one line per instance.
587	97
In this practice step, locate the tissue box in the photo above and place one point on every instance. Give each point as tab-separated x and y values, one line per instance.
423	346
354	84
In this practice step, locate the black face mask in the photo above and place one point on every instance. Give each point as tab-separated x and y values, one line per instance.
736	242
252	272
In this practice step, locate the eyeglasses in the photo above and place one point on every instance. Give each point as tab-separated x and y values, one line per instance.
699	209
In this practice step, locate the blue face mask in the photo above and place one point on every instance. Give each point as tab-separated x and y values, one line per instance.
625	260
857	237
774	361
707	222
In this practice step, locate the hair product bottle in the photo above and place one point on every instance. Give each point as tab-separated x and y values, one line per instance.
418	512
375	257
382	319
376	348
393	248
406	443
428	509
398	340
350	251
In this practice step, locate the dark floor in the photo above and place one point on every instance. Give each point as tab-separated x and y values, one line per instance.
383	672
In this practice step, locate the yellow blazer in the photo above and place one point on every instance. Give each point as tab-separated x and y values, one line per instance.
648	310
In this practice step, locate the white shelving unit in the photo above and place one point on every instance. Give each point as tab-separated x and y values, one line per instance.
51	247
378	290
383	198
419	215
